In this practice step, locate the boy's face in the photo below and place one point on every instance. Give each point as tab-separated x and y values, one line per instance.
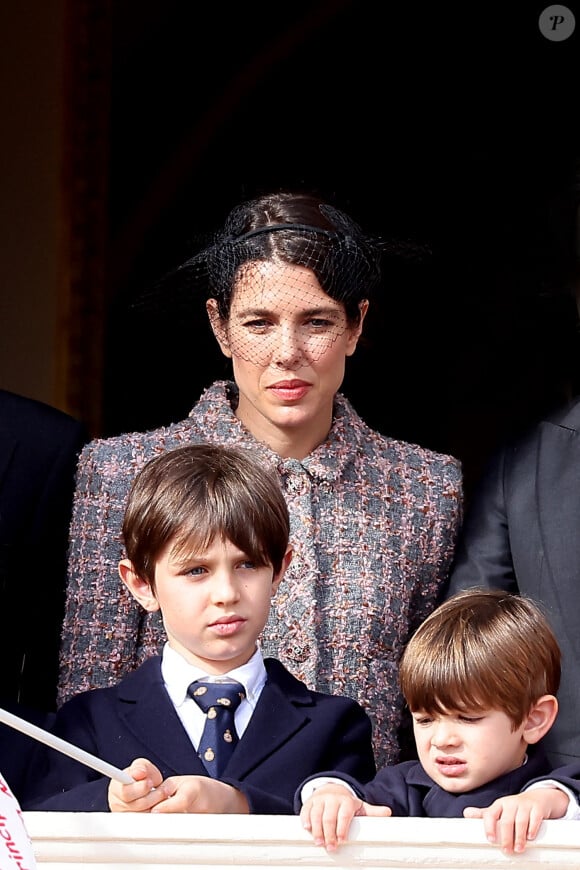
214	605
461	752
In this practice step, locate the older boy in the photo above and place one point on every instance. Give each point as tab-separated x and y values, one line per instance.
480	677
206	532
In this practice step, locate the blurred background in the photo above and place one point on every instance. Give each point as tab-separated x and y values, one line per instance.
130	128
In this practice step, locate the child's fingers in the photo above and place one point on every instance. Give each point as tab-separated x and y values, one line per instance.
328	818
372	810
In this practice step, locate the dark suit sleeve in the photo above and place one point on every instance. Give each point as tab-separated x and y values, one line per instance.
39	446
483	556
348	749
568	775
93	797
387	789
61	783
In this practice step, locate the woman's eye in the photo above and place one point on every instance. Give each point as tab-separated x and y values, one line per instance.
320	323
257	324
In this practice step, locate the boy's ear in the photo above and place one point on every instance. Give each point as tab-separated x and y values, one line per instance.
540	718
140	589
218	326
277	579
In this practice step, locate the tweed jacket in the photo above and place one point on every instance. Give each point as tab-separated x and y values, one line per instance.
522	533
373	524
409	791
291	734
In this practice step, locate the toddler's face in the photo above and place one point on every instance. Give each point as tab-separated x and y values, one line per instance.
461	751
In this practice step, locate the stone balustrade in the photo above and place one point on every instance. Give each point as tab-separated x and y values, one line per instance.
103	841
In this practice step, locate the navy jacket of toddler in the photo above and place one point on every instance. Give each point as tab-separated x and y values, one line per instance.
409	791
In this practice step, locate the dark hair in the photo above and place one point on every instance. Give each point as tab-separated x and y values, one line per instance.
481	649
298	229
187	497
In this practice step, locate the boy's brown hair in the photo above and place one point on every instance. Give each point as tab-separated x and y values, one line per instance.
187	497
481	649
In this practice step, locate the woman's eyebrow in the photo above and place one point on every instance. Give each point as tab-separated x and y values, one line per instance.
304	312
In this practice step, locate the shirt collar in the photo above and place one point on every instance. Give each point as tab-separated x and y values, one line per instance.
178	674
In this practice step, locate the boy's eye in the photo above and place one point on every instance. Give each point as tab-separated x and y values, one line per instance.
423	720
248	565
196	571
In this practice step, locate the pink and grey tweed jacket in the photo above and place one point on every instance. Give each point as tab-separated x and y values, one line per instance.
373	523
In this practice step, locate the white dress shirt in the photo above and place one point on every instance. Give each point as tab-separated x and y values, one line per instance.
178	674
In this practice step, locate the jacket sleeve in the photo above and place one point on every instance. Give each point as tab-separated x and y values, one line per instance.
483	555
348	750
98	607
568	775
387	789
432	570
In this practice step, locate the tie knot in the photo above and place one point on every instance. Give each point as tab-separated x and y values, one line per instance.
216	695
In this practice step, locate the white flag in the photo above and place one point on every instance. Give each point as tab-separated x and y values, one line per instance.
15	846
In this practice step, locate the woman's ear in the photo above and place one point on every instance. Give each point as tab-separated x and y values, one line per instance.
139	588
355	332
218	326
277	579
540	718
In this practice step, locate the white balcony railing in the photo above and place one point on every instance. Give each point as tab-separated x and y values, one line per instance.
103	841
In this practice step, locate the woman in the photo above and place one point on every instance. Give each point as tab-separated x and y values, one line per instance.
374	520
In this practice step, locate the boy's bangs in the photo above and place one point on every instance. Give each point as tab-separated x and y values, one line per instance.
442	684
198	533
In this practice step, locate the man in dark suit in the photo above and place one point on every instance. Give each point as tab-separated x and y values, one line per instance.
39	446
522	534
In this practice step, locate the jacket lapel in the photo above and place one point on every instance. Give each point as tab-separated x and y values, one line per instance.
276	719
148	714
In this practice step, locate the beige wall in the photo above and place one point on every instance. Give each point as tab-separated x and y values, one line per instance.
30	207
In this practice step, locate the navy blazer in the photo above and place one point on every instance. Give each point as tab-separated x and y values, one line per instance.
293	732
39	447
409	791
522	534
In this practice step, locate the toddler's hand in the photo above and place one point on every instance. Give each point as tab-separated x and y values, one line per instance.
512	821
328	812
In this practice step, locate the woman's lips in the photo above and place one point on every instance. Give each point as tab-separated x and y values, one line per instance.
290	390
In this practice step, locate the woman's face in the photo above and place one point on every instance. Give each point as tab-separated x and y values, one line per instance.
288	341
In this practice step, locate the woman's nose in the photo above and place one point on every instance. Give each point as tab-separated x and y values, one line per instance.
288	350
